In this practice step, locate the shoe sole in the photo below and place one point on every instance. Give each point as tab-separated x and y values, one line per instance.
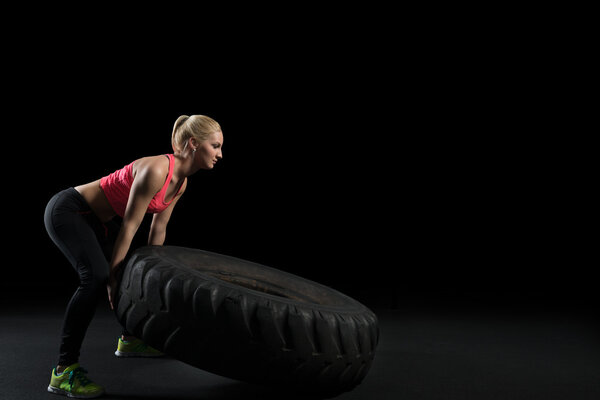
61	392
138	355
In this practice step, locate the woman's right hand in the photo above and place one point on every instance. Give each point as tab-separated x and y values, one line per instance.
111	287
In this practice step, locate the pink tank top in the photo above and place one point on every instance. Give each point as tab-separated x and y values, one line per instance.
117	186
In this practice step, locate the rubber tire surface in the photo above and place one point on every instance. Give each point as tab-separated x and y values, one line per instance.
246	321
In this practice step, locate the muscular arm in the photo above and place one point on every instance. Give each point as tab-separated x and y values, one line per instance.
158	229
146	183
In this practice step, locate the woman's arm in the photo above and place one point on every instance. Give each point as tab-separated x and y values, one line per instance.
147	182
158	229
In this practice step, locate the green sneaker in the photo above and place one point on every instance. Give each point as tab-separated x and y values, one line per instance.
135	348
74	383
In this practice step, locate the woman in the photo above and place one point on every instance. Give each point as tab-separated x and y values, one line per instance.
80	220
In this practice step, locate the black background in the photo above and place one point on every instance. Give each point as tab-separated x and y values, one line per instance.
425	166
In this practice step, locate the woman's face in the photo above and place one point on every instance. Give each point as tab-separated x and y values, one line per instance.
209	151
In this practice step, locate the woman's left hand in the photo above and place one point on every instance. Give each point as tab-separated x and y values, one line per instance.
111	287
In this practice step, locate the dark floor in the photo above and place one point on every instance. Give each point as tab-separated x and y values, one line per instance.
424	353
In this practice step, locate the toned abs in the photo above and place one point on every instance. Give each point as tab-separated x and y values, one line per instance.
95	197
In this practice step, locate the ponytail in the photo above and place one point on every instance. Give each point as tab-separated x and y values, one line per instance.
177	133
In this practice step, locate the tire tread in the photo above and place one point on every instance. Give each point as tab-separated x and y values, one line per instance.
242	334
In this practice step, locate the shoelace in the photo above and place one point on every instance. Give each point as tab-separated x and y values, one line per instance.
79	373
141	347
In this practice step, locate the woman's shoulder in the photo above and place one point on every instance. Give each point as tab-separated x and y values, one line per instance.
151	166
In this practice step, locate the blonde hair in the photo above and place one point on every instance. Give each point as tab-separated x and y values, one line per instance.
199	127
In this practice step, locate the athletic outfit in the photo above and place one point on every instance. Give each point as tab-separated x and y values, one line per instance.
117	185
87	243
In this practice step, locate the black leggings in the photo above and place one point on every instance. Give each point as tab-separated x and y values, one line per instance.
87	243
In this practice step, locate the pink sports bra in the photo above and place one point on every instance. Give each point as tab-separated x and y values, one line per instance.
117	186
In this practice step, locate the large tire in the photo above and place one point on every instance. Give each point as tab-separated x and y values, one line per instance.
246	321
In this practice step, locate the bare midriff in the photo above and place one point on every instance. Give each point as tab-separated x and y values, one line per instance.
95	197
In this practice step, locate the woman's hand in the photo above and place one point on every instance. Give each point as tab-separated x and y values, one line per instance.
111	287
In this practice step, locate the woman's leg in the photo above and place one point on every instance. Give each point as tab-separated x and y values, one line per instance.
67	220
111	229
